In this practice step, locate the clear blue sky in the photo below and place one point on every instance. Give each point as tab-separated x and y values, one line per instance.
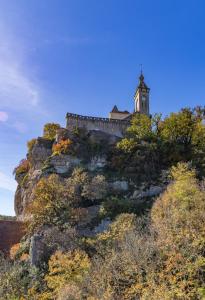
83	56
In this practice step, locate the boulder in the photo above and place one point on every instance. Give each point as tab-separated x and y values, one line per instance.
38	250
104	225
151	192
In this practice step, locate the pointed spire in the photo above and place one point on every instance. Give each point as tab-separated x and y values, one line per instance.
141	78
115	109
142	84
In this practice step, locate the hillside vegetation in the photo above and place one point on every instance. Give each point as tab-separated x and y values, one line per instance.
111	219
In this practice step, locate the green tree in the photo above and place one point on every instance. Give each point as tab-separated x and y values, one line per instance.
50	130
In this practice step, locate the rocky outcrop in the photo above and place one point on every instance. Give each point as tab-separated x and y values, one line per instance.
89	149
24	192
153	191
100	137
62	164
97	162
44	163
41	150
38	250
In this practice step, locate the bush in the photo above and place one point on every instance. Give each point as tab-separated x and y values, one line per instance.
14	279
114	206
49	205
30	144
67	268
81	187
62	147
23	167
53	204
50	130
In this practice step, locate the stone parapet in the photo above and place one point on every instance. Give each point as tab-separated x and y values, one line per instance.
111	126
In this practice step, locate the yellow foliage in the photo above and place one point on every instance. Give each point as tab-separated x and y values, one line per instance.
118	229
30	144
50	130
23	167
65	268
48	201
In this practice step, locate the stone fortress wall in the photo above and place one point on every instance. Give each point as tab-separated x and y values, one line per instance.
111	126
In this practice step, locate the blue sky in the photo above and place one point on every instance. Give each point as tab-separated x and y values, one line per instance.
83	56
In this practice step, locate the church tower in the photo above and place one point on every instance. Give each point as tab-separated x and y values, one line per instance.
142	97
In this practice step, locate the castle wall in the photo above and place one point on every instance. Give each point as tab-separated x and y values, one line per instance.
118	116
111	126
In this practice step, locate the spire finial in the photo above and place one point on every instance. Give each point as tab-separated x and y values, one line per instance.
141	74
140	69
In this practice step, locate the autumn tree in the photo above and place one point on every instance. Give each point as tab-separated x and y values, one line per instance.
66	269
49	205
50	130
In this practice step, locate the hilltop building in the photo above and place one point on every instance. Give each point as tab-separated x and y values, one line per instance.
118	121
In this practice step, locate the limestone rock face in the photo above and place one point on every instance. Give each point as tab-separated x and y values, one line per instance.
62	164
18	203
63	134
153	191
38	250
104	225
97	162
101	137
40	152
24	193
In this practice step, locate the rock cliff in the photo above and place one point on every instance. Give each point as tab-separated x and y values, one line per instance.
94	152
89	150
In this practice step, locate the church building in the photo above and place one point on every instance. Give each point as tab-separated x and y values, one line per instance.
117	121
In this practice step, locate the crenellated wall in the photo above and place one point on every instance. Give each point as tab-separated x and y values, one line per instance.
111	126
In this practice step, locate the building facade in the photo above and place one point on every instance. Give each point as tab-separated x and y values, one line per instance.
117	121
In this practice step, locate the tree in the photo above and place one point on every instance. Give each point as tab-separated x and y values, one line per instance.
49	205
141	129
178	219
182	135
67	268
50	130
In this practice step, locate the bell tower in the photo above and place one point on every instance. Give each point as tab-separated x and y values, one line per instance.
141	97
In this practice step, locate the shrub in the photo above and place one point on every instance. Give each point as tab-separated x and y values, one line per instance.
118	229
50	130
53	204
30	144
67	268
23	167
13	251
114	206
14	279
81	187
49	205
96	188
62	147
